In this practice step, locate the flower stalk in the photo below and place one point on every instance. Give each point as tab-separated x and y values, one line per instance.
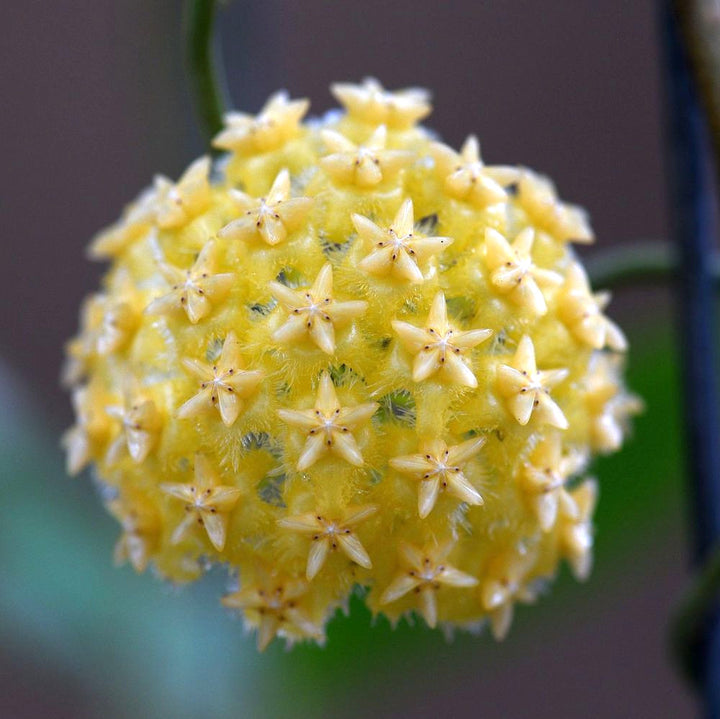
204	72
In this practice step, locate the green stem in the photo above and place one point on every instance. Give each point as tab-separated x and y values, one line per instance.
690	623
649	262
206	79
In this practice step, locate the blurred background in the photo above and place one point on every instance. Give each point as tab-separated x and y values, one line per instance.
95	103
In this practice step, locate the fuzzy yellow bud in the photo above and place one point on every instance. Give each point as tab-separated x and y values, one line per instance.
349	355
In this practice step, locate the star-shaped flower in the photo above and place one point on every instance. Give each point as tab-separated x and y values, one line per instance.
223	386
512	270
425	572
140	425
464	174
369	102
141	531
273	606
329	426
276	123
581	311
314	312
91	428
575	528
439	467
505	584
81	349
178	203
527	389
397	249
135	222
194	290
120	320
609	407
362	165
567	223
543	478
207	503
270	219
438	347
330	535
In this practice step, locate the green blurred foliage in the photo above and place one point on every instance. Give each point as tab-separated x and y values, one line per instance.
124	645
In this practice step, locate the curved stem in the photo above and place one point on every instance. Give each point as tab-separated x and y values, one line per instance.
206	79
648	262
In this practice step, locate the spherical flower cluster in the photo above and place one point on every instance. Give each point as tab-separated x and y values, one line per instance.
347	356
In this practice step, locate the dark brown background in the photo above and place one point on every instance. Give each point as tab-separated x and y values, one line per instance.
94	103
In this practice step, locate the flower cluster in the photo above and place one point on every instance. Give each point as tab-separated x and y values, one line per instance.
347	355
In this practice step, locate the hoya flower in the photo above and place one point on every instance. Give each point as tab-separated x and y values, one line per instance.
349	355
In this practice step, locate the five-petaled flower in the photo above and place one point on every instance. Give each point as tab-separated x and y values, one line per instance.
369	102
506	582
270	219
140	425
273	606
91	427
314	312
178	203
140	531
581	310
207	503
329	535
276	123
194	290
513	272
438	347
527	389
439	467
537	196
576	532
425	572
397	250
329	426
223	386
544	475
136	221
364	165
464	174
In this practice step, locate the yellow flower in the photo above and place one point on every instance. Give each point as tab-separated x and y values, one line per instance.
140	425
193	290
178	203
277	122
274	606
464	175
223	386
314	313
271	218
513	272
397	249
424	572
439	467
371	103
364	165
329	426
347	354
506	582
438	347
207	503
331	534
527	389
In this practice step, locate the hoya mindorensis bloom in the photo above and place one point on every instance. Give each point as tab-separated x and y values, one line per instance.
343	355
